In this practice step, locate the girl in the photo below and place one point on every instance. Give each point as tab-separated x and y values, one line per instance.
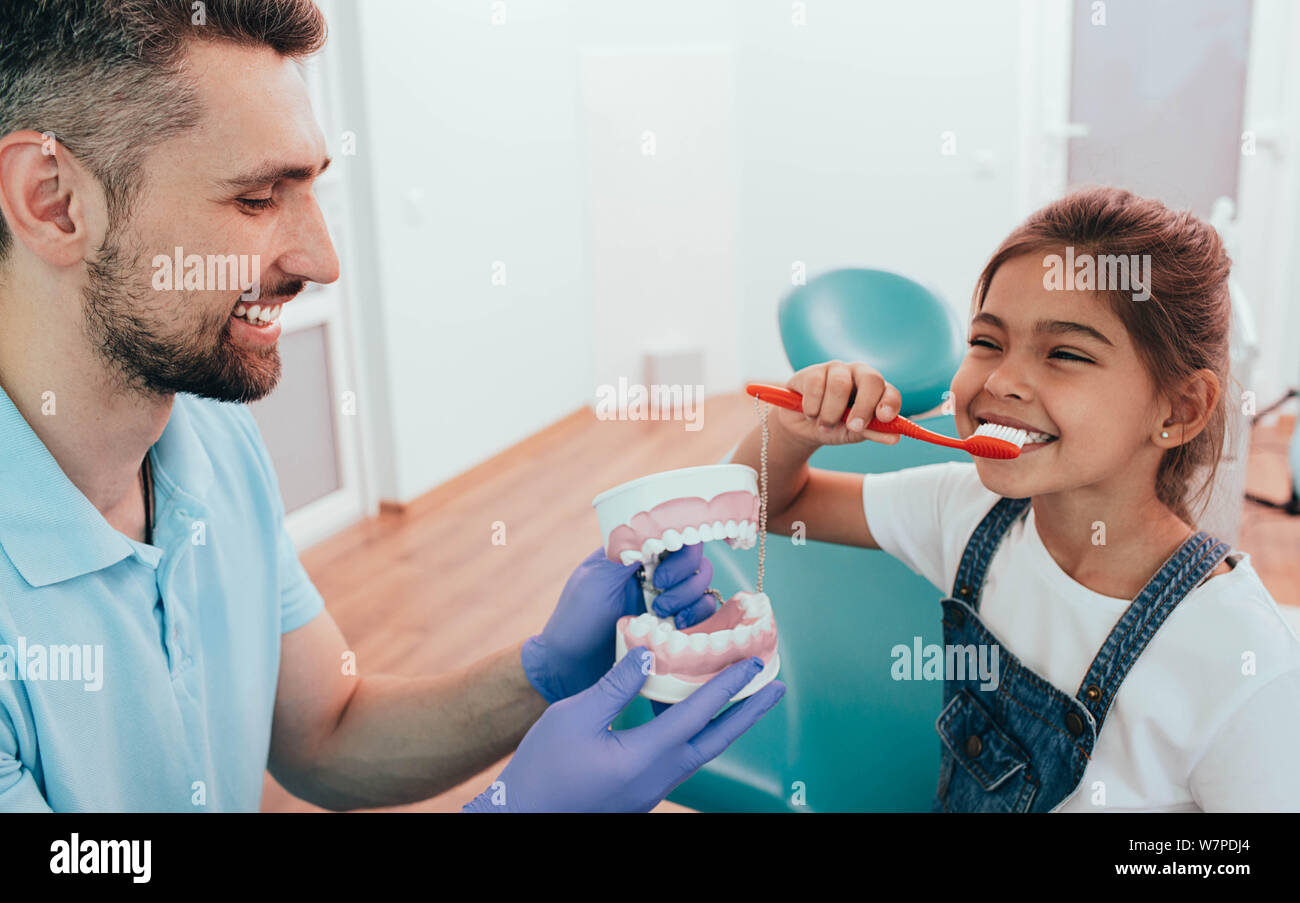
1143	665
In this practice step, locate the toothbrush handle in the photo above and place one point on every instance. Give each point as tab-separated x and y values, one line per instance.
792	400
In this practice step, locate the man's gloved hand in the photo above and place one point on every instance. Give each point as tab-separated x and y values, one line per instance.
570	761
577	645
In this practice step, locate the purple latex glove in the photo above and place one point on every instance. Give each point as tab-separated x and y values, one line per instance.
683	579
570	761
577	644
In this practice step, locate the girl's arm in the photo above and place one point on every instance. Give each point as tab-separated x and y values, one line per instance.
827	502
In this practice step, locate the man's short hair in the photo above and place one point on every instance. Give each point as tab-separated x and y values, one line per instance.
108	79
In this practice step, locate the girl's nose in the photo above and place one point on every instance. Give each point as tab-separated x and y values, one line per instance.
1009	380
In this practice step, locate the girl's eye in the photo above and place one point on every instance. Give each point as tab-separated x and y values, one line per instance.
985	343
256	203
1069	356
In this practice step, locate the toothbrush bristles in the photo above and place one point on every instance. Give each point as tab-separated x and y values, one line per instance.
993	440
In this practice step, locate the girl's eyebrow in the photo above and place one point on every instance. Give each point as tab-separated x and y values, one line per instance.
1056	327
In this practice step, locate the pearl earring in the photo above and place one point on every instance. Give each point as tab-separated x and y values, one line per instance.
1164	434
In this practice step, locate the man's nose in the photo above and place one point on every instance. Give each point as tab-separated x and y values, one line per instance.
309	251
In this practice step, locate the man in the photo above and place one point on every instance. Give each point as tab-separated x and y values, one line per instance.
140	518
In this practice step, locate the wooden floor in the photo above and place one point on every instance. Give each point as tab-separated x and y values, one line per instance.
424	590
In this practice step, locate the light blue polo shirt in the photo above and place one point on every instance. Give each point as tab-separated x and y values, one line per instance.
138	677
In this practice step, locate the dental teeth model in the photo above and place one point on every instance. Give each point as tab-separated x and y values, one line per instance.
645	519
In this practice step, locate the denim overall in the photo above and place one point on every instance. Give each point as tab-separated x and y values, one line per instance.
1023	746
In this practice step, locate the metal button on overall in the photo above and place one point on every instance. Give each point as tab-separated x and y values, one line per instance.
973	746
1074	723
1092	692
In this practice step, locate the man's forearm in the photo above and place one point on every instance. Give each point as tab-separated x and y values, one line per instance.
404	739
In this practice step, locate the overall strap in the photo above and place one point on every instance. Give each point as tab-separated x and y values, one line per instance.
1195	559
979	551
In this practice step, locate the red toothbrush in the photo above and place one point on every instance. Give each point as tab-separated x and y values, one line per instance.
990	440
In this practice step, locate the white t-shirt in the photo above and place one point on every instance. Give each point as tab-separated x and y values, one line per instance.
1187	730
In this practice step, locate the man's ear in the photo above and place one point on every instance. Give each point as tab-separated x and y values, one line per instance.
1189	410
51	203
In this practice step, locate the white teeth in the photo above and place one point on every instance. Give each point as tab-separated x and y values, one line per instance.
630	556
764	625
639	626
671	540
660	634
742	634
1005	433
719	641
256	313
1012	434
756	605
678	642
698	642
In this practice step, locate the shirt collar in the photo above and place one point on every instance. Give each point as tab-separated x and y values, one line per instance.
49	529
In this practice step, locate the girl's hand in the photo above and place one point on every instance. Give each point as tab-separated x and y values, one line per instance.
828	389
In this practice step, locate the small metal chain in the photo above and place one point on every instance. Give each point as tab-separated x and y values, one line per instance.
762	490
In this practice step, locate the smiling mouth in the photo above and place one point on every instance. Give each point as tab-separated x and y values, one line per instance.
1035	437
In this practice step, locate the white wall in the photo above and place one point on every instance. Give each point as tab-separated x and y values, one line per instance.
1269	197
839	135
472	143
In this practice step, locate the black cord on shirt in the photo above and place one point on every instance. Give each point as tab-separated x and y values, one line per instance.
147	472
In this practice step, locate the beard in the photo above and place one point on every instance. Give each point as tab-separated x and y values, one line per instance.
124	323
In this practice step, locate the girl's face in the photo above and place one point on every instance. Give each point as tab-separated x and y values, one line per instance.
1061	364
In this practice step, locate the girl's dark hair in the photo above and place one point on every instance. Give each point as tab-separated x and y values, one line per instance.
1181	328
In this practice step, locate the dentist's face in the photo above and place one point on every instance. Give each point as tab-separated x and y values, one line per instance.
1061	364
239	184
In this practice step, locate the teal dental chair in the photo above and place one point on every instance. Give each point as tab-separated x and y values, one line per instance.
846	737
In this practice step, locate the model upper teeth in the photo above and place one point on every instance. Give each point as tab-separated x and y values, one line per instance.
745	531
256	313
